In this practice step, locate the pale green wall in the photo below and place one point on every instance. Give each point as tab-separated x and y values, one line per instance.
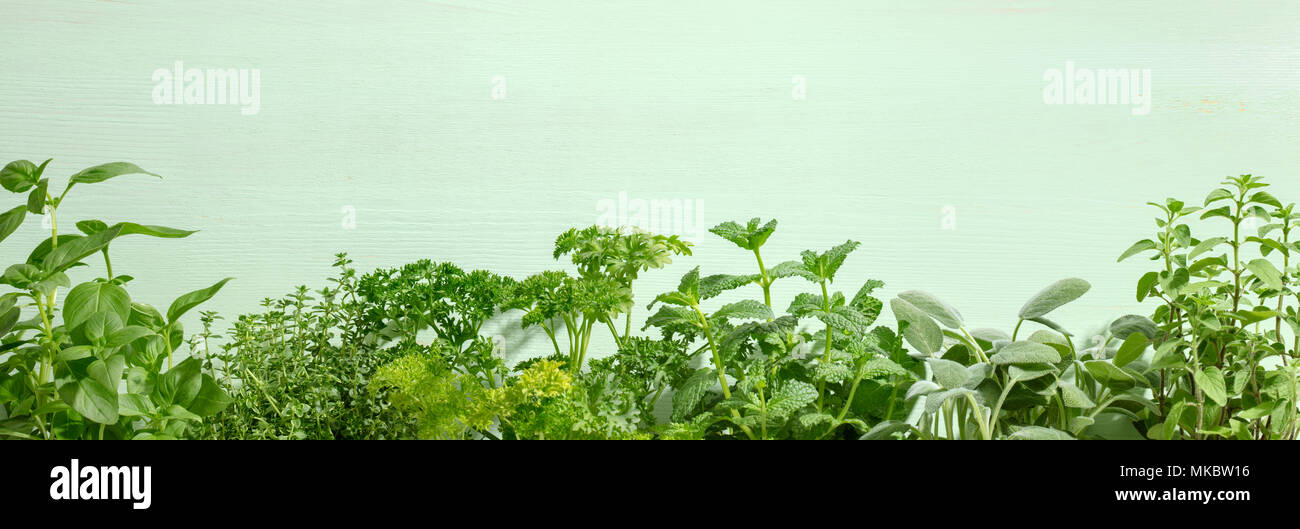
911	106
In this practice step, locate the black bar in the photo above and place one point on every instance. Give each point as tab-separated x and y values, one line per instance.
324	480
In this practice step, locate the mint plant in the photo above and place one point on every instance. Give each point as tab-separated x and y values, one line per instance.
92	366
773	379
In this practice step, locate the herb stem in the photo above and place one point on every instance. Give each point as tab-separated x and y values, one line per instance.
717	364
108	264
618	341
979	418
765	281
979	351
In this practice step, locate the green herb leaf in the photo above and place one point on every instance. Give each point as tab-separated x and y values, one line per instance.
92	395
1074	397
1024	352
1138	247
11	220
790	398
1109	375
714	285
1266	272
1210	381
1040	433
1053	297
1205	246
1131	349
92	297
210	400
690	393
1263	197
748	237
934	307
100	173
1126	325
36	200
73	251
20	175
193	299
922	332
180	384
1217	195
745	309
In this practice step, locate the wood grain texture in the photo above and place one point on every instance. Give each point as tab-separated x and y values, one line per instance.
911	107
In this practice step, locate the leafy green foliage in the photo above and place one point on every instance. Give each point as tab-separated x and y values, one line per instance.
555	302
301	368
820	369
1053	297
764	381
611	259
108	371
441	297
983	384
1226	320
401	352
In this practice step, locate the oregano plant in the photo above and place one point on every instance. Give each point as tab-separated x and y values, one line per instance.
1221	356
